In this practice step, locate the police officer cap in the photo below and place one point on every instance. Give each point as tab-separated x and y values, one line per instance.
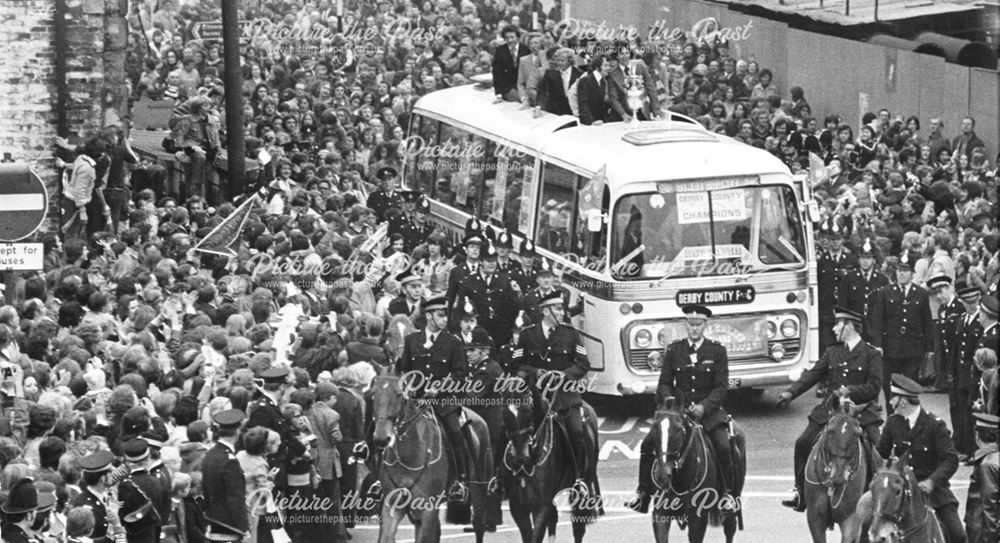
153	439
474	239
490	253
22	498
434	304
386	173
544	269
411	196
868	248
229	418
136	450
473	225
468	309
505	241
904	386
552	298
46	495
990	306
480	338
967	291
527	247
97	462
407	276
275	375
905	263
938	281
844	313
694	311
986	420
423	205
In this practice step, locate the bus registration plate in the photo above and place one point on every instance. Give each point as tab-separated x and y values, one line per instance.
735	382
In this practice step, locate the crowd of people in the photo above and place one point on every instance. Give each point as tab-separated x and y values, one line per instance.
131	351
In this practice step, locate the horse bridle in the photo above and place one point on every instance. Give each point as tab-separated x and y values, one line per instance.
679	457
898	517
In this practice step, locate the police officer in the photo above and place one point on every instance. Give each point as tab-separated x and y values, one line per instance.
982	509
140	495
19	512
96	472
223	482
386	197
853	369
484	398
529	264
950	311
961	348
491	293
411	288
468	321
902	328
158	470
439	356
473	248
695	371
932	452
265	411
989	310
859	287
39	530
507	265
832	266
550	355
544	287
416	230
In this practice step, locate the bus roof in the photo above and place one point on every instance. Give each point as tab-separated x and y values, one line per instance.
476	108
657	151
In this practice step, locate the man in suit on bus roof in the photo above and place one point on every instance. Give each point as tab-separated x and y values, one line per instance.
505	63
553	89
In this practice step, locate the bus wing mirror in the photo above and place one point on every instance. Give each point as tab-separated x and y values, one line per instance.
814	215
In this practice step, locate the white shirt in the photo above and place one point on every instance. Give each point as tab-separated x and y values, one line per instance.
567	74
912	418
852	344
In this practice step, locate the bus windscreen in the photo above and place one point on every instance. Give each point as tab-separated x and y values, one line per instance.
659	235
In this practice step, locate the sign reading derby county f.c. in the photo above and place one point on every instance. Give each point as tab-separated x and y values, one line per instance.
23	202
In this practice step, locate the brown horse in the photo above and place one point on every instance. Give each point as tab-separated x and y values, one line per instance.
689	484
415	468
835	475
897	508
537	468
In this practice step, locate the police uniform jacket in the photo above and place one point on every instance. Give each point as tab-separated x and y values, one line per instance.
414	235
859	369
455	278
264	412
982	509
964	341
697	376
514	270
830	271
398	306
162	475
932	451
902	326
560	352
13	533
444	358
135	492
947	322
224	488
89	500
494	300
857	291
989	338
380	201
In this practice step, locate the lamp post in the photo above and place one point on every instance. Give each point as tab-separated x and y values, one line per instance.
235	142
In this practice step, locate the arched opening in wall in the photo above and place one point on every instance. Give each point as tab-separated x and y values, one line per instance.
957	51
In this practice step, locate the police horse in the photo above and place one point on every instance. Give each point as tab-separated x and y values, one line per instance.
416	469
688	481
897	508
537	467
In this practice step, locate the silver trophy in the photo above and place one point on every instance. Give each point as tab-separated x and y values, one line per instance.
635	92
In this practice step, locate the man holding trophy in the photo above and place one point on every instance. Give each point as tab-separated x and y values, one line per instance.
632	91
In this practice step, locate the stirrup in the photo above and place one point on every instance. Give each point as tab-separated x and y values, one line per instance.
493	485
797	502
639	503
581	488
459	492
729	503
375	490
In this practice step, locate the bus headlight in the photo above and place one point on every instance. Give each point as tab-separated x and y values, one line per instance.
771	330
661	336
790	327
777	351
643	338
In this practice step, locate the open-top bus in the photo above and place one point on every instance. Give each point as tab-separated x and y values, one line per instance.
685	216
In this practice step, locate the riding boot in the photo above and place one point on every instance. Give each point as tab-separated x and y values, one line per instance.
645	490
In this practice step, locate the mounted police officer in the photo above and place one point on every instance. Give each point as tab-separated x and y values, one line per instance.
549	356
224	484
853	369
932	452
19	512
140	495
695	371
96	478
982	509
902	329
265	412
439	358
386	197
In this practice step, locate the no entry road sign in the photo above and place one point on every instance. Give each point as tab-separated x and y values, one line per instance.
23	202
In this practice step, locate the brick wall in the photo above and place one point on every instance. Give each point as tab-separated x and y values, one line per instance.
95	57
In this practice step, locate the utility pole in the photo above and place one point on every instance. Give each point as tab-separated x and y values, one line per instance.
235	138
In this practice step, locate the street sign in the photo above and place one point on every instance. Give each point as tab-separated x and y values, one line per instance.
23	202
207	30
21	256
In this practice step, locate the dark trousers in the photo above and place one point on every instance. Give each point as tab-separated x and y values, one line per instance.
117	199
329	489
805	441
951	525
572	418
961	420
908	366
453	428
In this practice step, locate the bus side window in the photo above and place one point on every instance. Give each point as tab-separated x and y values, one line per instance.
420	154
589	246
555	215
515	168
449	183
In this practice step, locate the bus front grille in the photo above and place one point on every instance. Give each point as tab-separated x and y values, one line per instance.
638	358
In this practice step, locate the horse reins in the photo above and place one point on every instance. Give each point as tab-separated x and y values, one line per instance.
401	429
898	517
683	457
821	456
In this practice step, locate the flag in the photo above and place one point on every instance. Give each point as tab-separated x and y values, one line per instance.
817	170
223	239
592	193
